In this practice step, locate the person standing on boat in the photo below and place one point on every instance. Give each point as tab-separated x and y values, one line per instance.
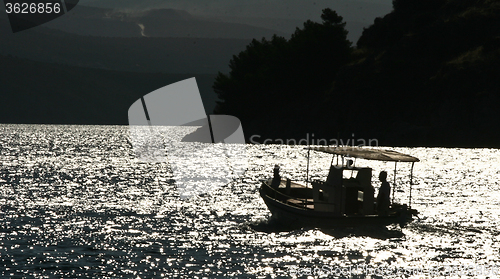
384	193
277	177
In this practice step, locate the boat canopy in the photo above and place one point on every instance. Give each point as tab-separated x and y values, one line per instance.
367	153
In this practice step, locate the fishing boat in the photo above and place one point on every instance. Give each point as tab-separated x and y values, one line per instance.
345	198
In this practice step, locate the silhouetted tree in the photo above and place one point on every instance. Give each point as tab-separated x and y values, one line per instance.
271	77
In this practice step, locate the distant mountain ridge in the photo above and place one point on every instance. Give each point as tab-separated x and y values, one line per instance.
165	55
163	22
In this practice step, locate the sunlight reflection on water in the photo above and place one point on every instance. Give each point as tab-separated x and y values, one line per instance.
76	203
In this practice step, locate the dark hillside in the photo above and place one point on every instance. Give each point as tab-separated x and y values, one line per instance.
36	92
426	74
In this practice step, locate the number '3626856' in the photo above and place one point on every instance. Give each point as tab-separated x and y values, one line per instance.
25	14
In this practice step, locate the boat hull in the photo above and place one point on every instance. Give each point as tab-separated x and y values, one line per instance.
297	217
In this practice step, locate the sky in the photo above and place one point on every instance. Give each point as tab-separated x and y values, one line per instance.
354	10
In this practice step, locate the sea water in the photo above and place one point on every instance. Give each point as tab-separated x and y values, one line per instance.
76	203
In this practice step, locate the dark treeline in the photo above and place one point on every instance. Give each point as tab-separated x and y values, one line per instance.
426	74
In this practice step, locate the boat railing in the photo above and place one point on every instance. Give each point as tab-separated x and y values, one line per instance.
277	195
286	198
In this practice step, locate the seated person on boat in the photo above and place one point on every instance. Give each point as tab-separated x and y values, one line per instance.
383	197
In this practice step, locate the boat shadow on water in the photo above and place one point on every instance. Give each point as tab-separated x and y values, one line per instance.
372	231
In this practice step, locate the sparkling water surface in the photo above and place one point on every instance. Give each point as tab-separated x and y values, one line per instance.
76	203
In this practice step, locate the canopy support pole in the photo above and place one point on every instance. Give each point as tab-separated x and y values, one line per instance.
307	172
394	183
411	182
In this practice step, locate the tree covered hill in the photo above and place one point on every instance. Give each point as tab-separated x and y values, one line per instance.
428	73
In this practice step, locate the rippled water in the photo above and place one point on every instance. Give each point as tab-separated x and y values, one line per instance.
74	202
